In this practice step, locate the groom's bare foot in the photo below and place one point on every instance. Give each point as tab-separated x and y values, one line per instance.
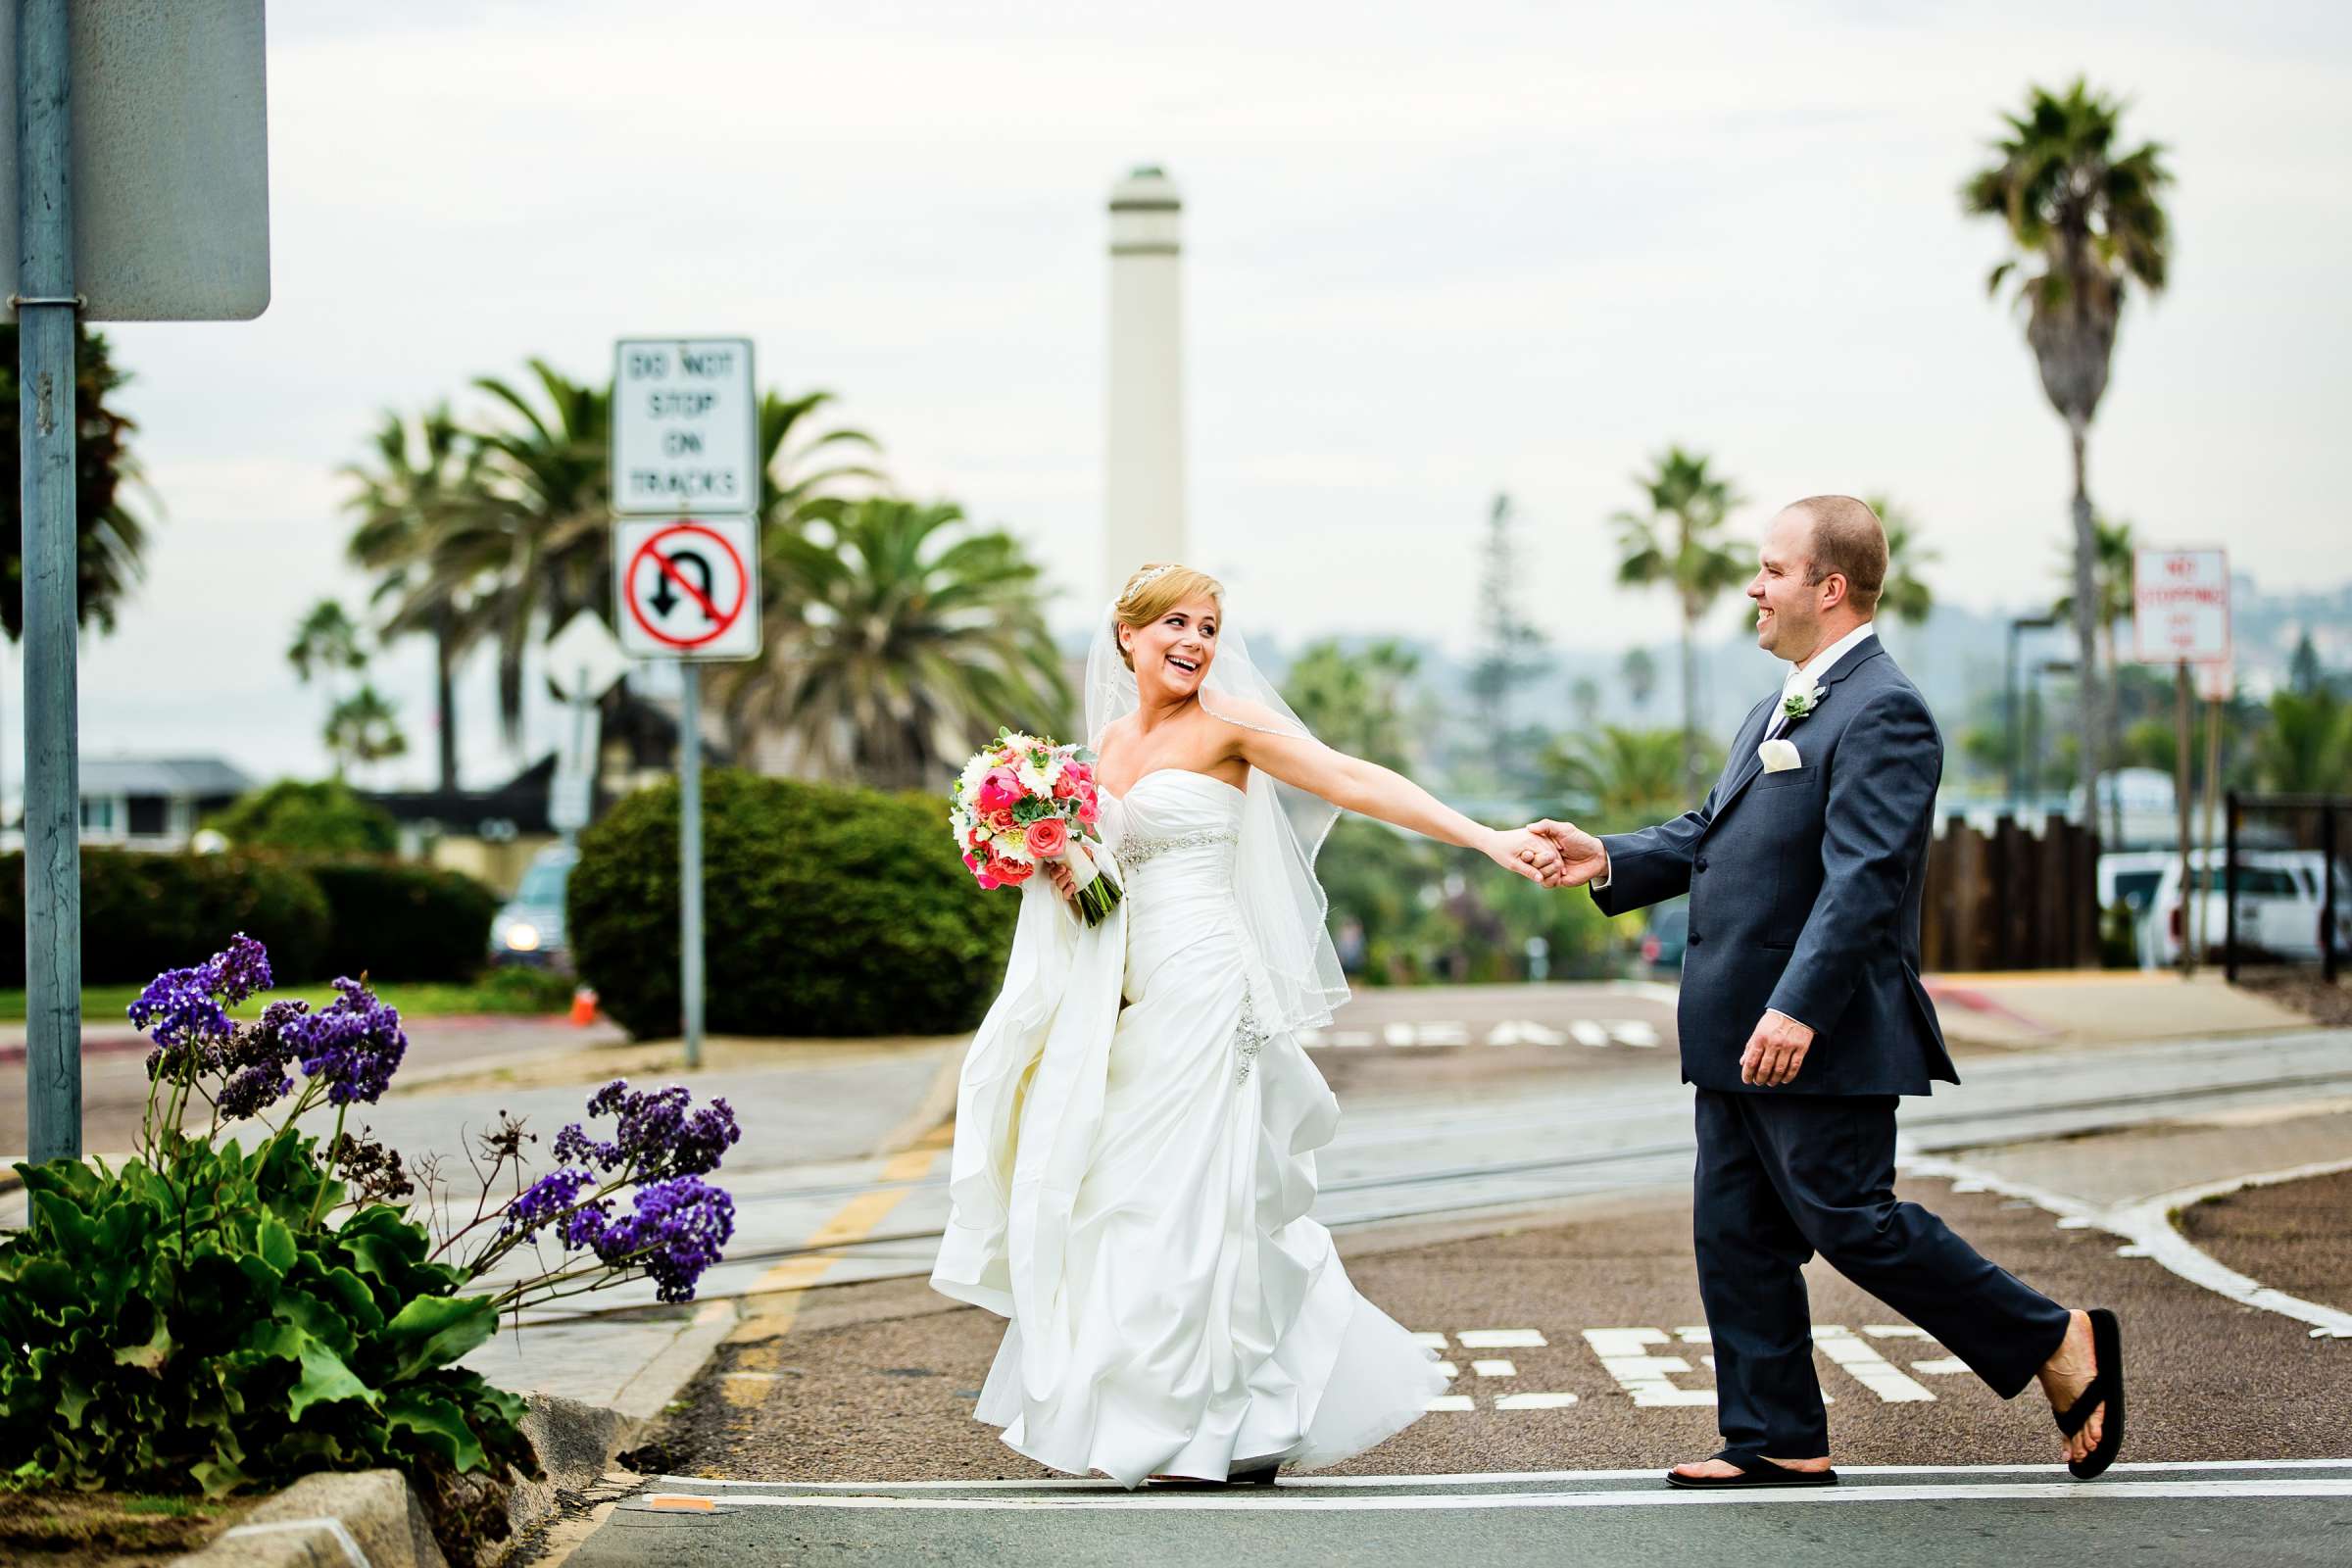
1725	1470
2064	1377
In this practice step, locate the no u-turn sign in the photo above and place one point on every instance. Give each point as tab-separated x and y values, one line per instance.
688	587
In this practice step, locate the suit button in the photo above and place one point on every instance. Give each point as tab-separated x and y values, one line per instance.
1696	939
1702	863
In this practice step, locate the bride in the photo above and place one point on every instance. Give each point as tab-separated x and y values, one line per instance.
1137	1121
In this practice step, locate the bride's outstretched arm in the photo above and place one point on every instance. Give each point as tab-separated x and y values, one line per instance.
1355	785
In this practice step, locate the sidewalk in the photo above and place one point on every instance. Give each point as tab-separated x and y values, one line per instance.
2031	1008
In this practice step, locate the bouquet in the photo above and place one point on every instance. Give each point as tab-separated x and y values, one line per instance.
1022	801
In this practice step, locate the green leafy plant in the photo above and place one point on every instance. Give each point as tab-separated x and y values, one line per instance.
220	1317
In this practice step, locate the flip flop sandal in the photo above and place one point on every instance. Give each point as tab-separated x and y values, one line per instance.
1752	1473
2106	1387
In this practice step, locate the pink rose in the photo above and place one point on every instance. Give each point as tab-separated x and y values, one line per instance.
999	791
1087	810
1066	787
1046	838
989	883
1002	821
1010	874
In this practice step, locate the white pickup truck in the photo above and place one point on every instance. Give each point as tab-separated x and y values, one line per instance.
2279	906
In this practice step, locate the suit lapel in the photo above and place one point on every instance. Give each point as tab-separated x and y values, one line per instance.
1752	734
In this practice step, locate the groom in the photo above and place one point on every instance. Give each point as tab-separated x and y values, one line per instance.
1802	1019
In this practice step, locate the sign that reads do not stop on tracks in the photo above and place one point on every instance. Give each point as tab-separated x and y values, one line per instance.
685	426
688	588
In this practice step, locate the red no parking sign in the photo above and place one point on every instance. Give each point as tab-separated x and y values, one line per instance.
689	587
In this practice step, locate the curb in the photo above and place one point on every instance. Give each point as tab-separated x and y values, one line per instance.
373	1518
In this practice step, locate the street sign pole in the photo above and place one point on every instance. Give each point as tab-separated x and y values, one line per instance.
2185	722
686	483
45	306
690	860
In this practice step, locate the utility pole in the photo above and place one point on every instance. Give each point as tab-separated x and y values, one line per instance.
46	305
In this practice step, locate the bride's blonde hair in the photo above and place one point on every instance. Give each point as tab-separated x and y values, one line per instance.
1157	588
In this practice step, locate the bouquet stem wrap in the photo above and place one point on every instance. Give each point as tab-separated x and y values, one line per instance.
1098	893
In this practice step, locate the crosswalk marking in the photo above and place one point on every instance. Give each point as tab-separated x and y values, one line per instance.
1495	1369
1534	1401
1625	1353
1500	1340
1868	1367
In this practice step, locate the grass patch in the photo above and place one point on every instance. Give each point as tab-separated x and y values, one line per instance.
517	991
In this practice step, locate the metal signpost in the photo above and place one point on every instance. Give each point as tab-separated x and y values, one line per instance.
686	560
138	186
2180	617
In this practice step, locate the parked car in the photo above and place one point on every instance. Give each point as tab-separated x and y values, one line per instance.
2279	906
1669	933
528	927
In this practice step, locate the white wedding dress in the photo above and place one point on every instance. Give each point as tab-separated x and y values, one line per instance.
1133	1169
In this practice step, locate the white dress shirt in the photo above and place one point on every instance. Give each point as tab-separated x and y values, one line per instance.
1803	678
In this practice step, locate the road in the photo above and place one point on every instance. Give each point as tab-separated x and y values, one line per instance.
1523	1205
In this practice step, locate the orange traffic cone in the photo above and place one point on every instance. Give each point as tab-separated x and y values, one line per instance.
584	1005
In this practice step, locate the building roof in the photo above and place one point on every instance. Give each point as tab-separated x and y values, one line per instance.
194	777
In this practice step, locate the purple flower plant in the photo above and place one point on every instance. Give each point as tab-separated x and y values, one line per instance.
656	1135
354	1043
677	1229
546	1199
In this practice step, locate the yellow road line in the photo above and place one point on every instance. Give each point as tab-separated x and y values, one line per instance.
779	1292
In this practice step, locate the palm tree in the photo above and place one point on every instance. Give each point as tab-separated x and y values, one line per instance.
364	729
2306	749
920	635
1630	777
539	546
326	643
2113	576
1679	543
2086	218
1905	596
109	536
425	481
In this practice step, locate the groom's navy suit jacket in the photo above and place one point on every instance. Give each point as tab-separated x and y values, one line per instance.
1806	890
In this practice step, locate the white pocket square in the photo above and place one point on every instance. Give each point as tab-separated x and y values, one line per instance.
1780	756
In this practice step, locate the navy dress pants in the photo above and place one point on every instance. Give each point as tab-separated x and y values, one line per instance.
1783	1176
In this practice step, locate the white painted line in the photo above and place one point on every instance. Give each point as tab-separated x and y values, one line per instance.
1449	1369
1496	1478
1399	1033
1495	1369
1698	1334
334	1527
1534	1401
1523	1031
2148	1224
1654	1496
1589	1033
1500	1338
1436	1342
1867	1367
1625	1354
1444	1034
1895	1331
1633	1032
1352	1039
1449	1401
1950	1366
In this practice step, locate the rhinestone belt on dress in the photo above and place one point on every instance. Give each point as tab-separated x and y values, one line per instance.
1144	851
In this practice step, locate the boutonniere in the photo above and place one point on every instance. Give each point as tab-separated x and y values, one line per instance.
1796	704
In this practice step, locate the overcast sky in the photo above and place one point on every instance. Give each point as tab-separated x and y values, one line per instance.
1433	250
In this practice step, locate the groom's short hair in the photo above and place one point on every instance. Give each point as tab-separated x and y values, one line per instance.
1848	539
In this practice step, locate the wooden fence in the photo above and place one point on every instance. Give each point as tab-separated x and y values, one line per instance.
2010	899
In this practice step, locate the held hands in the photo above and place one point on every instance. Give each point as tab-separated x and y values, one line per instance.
1580	857
1057	873
1775	1051
1525	852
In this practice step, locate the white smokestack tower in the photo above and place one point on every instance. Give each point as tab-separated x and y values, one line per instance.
1145	462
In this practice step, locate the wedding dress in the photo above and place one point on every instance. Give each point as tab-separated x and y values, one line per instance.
1133	1169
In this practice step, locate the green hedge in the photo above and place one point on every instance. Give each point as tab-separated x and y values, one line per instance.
828	912
143	913
403	922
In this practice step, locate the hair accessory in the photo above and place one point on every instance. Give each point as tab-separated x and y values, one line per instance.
1148	575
